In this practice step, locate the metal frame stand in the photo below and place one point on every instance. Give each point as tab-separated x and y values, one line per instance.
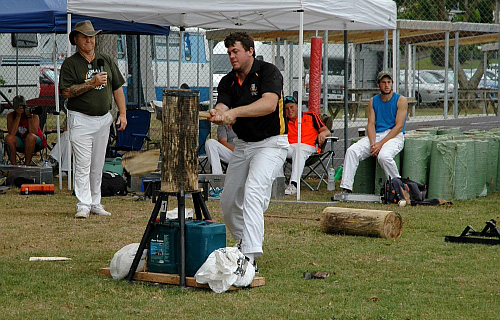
489	235
161	204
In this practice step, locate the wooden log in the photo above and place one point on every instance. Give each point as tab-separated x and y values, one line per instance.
179	140
361	222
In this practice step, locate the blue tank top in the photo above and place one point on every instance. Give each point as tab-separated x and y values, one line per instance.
385	113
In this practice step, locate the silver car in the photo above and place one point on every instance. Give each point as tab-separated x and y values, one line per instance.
428	88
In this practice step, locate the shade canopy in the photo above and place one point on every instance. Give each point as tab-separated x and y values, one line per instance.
49	16
256	15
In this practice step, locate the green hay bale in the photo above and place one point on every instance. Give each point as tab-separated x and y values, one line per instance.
416	158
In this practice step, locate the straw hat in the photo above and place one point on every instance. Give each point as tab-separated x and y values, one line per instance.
84	27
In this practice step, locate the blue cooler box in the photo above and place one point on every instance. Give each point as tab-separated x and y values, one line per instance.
202	238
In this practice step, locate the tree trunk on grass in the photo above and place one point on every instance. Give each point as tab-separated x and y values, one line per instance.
361	222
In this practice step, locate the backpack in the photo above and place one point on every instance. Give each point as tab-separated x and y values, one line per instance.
113	184
414	193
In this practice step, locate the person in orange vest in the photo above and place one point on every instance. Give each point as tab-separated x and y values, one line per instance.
313	135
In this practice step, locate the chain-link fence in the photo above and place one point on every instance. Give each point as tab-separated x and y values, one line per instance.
446	53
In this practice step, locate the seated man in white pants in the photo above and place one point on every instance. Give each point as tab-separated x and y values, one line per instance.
220	149
313	134
385	130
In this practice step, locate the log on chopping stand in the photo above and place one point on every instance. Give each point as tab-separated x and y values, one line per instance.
179	140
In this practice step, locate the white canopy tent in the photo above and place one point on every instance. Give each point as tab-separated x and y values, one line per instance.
249	15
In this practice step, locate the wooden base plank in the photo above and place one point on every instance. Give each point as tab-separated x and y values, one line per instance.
169	278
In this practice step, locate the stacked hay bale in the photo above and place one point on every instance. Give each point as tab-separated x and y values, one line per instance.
454	165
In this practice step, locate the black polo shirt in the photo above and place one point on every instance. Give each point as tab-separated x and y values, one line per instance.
263	77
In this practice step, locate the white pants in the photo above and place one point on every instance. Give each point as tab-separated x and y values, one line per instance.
89	137
305	151
247	189
361	150
217	152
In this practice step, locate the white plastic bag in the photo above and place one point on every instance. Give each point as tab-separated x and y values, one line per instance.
225	267
174	213
122	261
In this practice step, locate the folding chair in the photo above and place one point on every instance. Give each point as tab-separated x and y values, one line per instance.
318	164
204	132
136	132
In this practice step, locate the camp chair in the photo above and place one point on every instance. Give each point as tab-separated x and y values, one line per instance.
317	163
136	132
204	131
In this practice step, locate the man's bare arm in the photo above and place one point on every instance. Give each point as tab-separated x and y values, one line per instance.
79	89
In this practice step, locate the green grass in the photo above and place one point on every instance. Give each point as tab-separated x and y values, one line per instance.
417	276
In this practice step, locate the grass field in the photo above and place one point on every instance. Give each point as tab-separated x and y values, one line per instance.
417	276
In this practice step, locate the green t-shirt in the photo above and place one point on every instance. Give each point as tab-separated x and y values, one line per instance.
98	101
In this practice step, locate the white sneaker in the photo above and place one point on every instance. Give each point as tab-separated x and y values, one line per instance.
82	213
291	189
99	209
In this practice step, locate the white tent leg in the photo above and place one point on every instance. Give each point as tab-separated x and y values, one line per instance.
68	155
58	117
301	68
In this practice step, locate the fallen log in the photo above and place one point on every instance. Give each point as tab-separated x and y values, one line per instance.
361	222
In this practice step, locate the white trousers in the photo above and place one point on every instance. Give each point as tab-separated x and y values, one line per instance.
247	189
89	137
361	150
305	151
217	152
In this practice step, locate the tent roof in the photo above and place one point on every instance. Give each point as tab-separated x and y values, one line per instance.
416	32
248	15
47	16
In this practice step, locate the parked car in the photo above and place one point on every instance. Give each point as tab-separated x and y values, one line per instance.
46	98
428	88
489	82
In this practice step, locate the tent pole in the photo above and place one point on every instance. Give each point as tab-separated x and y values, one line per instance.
168	61
325	72
68	152
446	67
346	89
211	72
299	116
181	47
56	96
455	72
386	49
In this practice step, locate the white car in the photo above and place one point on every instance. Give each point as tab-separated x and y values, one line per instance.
428	88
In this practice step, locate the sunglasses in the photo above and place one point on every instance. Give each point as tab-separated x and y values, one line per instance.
288	99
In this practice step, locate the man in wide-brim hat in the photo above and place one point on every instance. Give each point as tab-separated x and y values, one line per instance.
90	81
83	27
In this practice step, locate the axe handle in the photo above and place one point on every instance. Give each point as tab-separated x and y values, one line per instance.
204	115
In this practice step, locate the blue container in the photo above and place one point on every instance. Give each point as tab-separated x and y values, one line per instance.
202	238
163	253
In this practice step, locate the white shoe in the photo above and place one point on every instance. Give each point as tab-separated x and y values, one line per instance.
82	213
291	189
99	209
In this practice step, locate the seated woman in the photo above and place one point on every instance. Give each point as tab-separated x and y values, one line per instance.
24	131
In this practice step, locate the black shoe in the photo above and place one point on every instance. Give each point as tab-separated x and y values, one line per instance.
254	264
344	190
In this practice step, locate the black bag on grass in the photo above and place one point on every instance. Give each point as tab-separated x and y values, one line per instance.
113	184
414	193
